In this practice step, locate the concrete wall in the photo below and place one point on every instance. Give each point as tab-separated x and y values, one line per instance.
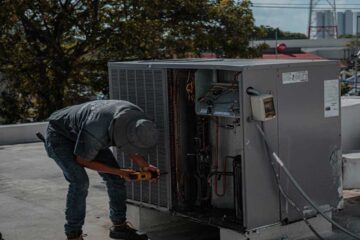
350	131
350	126
21	133
351	169
330	53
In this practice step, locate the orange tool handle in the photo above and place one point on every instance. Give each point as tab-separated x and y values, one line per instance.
143	176
123	172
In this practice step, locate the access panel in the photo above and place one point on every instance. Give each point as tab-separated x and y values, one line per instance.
309	135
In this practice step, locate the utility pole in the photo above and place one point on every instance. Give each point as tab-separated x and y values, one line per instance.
276	43
356	54
322	24
310	17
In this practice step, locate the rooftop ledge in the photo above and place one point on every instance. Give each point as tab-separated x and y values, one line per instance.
21	133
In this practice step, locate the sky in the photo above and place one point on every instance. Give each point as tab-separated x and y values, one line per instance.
293	20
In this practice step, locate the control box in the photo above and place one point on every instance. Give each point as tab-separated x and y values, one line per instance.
263	108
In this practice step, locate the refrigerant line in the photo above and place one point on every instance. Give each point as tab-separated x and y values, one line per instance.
300	190
287	197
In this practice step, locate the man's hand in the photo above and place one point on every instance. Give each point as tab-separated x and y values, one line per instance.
124	173
151	168
144	166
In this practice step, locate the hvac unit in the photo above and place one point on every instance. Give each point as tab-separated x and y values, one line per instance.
208	113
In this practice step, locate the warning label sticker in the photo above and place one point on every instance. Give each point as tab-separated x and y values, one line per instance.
331	98
295	77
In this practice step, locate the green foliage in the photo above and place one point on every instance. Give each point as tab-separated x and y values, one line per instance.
348	36
12	113
269	33
54	53
353	43
345	88
45	48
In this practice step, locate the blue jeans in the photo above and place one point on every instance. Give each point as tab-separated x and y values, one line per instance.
61	150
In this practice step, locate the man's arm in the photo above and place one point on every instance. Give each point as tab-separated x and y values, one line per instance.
100	167
144	166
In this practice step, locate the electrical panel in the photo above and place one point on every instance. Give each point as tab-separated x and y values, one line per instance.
214	97
263	108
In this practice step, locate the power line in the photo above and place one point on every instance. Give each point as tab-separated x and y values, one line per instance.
304	4
301	7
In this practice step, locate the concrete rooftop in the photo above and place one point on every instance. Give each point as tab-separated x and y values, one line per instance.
32	199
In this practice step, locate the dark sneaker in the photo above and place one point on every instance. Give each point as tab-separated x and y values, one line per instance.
126	231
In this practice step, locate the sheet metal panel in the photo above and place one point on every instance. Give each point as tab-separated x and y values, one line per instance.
221	64
309	143
261	196
147	89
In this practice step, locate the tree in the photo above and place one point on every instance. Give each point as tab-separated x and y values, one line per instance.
349	36
238	22
269	33
345	88
54	53
44	50
181	28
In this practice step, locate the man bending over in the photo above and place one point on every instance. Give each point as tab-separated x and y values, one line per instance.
80	136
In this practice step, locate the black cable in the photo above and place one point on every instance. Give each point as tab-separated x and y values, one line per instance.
252	92
41	137
301	191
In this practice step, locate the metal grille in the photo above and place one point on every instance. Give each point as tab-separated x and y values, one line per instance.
147	89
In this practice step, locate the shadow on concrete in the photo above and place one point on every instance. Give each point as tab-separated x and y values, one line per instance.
185	230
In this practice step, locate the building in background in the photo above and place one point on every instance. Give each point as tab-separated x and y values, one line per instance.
356	21
347	23
325	25
341	23
329	25
320	22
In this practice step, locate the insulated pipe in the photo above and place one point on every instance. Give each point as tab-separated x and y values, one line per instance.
301	191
